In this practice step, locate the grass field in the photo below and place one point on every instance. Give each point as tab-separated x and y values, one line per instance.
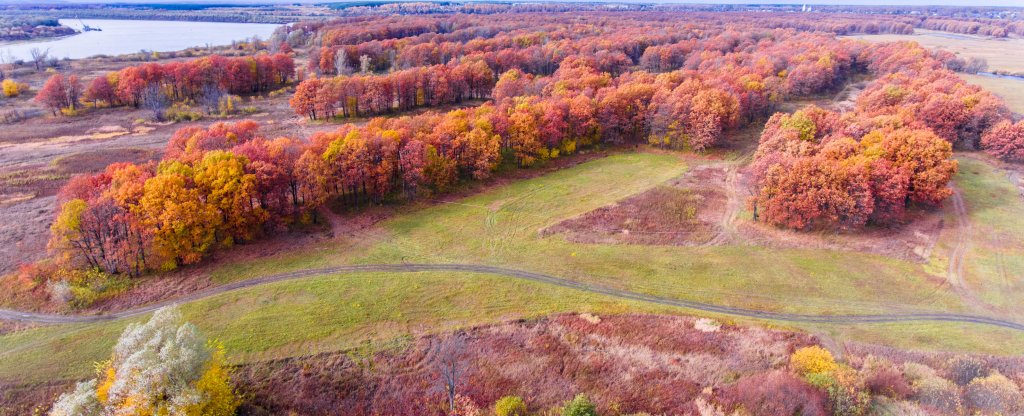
994	260
500	227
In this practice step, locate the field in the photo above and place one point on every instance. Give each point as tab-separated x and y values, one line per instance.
994	51
501	227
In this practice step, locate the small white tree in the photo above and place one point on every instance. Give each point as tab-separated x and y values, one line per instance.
364	64
341	66
81	402
155	369
159	359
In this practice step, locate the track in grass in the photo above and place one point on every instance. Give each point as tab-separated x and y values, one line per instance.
18	316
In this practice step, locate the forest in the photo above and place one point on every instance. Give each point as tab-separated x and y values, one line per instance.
484	127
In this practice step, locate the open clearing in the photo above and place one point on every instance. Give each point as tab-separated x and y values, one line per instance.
501	227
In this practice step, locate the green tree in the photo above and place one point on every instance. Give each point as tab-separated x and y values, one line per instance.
579	406
510	406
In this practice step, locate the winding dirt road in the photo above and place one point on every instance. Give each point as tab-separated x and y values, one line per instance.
17	316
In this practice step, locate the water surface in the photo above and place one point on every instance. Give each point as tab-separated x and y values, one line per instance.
129	36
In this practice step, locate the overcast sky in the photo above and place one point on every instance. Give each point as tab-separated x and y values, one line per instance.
1018	3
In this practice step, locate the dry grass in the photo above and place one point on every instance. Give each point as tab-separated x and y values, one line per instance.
545	362
1002	54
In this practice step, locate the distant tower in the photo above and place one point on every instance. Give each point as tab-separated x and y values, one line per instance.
804	8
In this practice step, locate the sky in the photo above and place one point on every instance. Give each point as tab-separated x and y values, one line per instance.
1018	3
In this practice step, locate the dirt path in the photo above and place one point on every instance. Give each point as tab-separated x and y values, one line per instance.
734	204
18	316
955	271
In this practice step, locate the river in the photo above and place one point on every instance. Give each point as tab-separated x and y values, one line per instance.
128	36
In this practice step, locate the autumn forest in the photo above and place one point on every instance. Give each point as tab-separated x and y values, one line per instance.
752	211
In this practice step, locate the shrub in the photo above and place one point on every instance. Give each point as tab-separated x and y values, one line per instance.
964	368
510	406
81	288
882	378
464	406
812	360
937	393
994	394
847	395
181	112
774	393
845	390
81	401
13	89
227	104
15	115
579	406
917	371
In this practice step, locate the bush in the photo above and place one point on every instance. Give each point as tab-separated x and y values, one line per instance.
774	393
226	105
812	360
964	368
579	406
846	392
181	112
15	115
994	394
937	393
13	89
81	288
464	406
882	378
510	406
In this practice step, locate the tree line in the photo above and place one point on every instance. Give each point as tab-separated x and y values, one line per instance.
203	79
217	186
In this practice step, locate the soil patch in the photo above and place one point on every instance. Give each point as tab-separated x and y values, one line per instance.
684	211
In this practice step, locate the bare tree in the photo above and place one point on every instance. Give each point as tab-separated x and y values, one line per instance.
364	63
212	93
6	59
451	365
975	65
155	100
341	66
39	57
